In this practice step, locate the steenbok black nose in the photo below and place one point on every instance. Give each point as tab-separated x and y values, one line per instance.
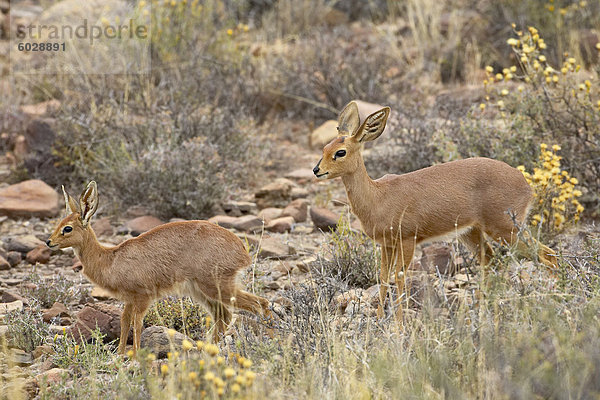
48	242
316	168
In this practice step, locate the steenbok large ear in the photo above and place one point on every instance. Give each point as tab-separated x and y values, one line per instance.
70	203
349	120
88	202
373	126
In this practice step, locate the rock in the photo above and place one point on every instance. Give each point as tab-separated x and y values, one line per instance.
16	305
139	225
335	17
323	134
20	358
12	281
4	264
157	340
103	227
270	213
40	254
40	109
239	208
461	279
248	223
274	194
3	331
53	376
224	221
22	244
13	258
57	310
9	297
273	248
299	193
32	198
302	174
438	257
324	219
280	225
41	350
106	317
273	285
100	294
305	264
297	209
343	300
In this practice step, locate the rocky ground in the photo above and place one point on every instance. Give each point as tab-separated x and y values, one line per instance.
286	224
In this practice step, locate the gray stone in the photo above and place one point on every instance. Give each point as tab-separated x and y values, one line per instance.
22	244
139	225
248	223
4	264
14	258
275	194
323	219
224	221
297	209
280	225
270	213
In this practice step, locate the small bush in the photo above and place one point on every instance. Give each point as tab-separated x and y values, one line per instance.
50	290
26	329
351	257
181	314
545	103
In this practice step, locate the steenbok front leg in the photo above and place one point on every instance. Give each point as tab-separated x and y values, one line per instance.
387	257
125	325
406	251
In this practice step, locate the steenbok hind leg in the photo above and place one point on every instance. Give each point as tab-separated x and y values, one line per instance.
475	241
222	318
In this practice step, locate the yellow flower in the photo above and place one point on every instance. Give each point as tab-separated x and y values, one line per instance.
164	369
151	357
235	388
577	193
199	344
542	45
171	332
500	104
212	349
543	146
571	60
542	58
512	42
504	92
186	345
142	4
209	376
580	208
556	147
555	79
192	375
247	363
482	106
130	354
489	69
220	360
229	372
230	32
218	382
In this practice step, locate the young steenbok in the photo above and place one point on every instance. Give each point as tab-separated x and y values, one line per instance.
470	198
194	258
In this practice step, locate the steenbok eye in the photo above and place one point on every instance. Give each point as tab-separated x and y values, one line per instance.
339	154
67	229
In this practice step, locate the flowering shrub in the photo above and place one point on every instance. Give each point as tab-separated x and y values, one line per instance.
554	190
199	371
548	103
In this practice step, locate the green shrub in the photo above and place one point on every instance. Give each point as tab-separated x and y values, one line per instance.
47	291
181	314
26	329
351	257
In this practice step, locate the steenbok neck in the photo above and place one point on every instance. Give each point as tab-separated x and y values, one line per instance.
90	251
360	189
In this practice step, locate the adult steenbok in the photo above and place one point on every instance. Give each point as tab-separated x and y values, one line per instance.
194	258
469	198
